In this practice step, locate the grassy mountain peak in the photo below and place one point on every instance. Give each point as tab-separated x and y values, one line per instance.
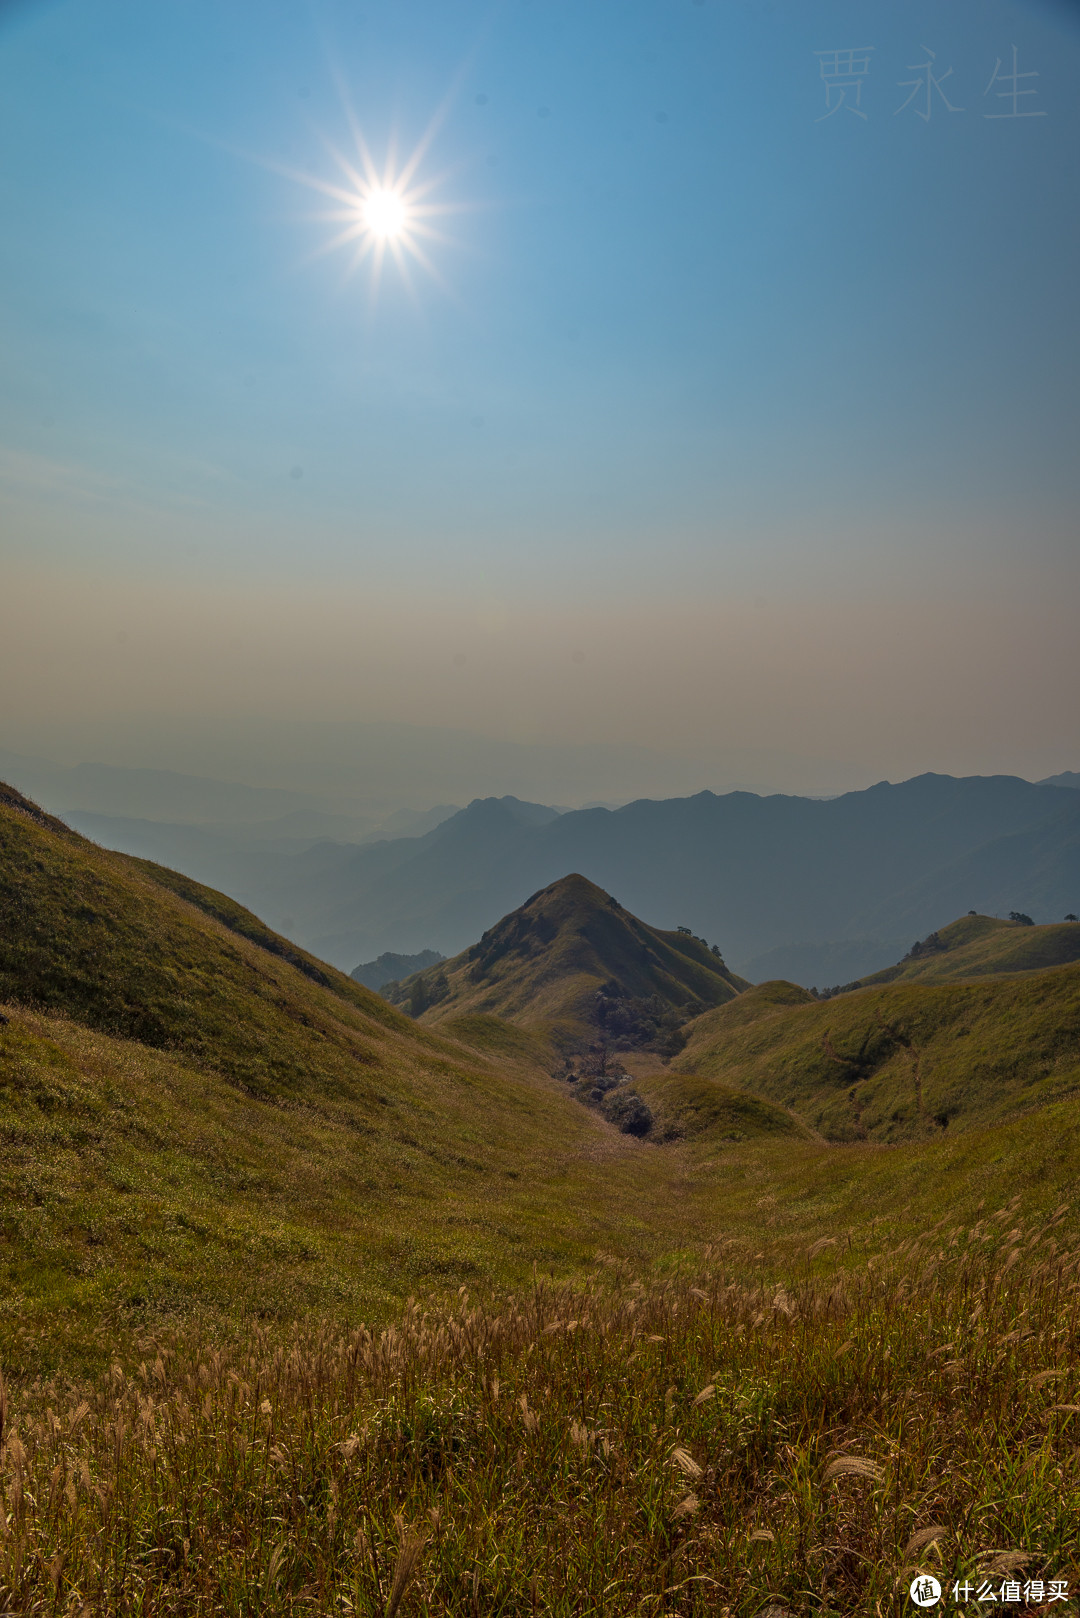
571	964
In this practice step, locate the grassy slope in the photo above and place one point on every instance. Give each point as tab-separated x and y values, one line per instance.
784	1195
904	1061
540	967
687	1107
136	951
280	1147
273	1145
976	946
195	1114
187	1115
135	1184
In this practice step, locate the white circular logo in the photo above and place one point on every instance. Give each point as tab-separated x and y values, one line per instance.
925	1590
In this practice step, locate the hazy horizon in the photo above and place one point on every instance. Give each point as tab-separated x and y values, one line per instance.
374	773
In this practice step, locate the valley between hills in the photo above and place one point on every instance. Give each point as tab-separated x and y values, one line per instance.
227	1161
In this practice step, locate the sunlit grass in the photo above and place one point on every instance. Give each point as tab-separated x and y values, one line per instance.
620	1447
795	1368
907	1061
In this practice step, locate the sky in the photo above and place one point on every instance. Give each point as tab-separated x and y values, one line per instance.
714	424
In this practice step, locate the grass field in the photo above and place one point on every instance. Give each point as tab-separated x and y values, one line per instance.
716	1442
308	1308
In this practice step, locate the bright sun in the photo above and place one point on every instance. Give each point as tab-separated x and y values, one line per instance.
381	214
384	213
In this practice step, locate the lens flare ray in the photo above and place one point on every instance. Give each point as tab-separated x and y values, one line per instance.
381	210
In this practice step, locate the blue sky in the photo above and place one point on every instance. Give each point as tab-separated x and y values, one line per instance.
692	352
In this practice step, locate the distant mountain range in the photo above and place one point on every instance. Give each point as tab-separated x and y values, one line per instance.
818	891
785	886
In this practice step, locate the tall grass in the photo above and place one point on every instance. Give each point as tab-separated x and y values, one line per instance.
705	1444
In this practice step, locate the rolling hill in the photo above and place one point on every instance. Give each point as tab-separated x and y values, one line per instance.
626	1367
978	946
201	1119
572	966
197	1115
904	1061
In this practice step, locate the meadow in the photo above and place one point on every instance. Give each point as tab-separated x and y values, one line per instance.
723	1439
306	1307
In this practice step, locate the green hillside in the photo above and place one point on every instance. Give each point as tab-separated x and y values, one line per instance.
199	1116
976	946
572	966
686	1107
133	950
624	1372
196	1113
900	1062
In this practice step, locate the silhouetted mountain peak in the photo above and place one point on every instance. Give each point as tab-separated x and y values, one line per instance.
508	808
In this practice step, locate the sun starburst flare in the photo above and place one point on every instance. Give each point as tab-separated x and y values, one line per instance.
380	212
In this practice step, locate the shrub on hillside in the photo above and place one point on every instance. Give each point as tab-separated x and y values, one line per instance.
627	1023
627	1111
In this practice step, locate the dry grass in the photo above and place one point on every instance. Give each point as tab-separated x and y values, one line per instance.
703	1445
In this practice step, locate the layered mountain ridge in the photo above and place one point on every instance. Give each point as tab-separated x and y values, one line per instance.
819	891
872	868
